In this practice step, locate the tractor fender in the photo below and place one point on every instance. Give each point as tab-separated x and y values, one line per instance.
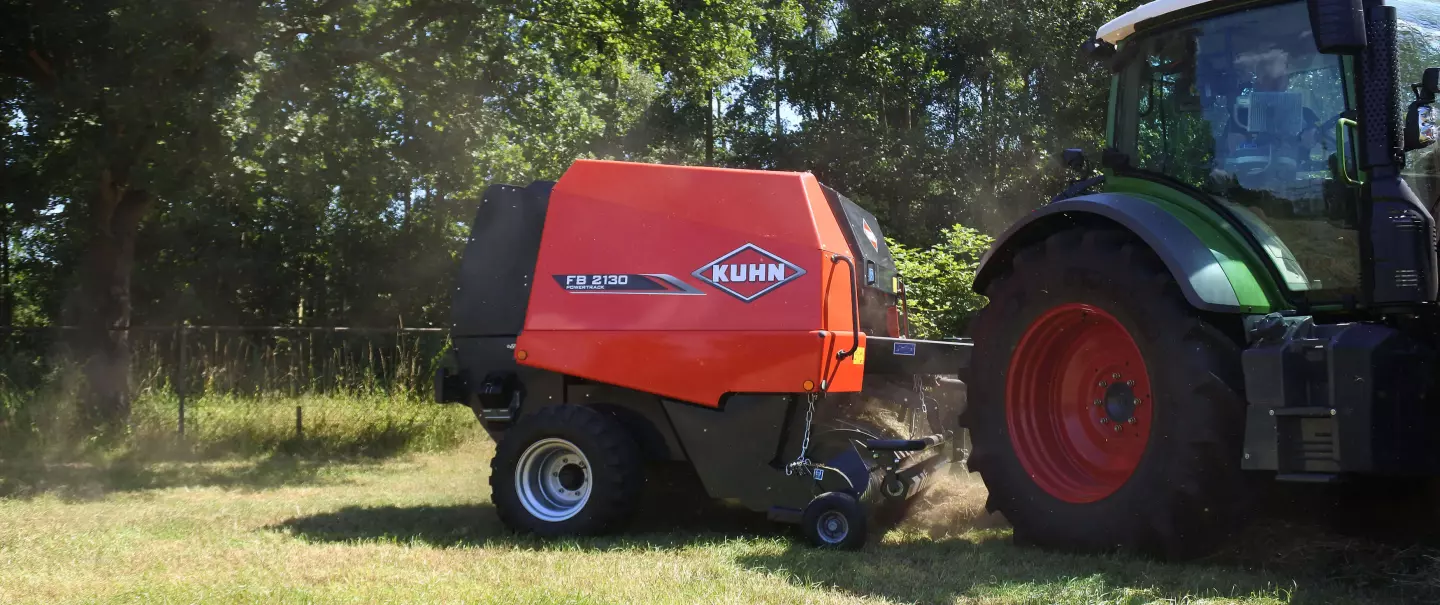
1198	272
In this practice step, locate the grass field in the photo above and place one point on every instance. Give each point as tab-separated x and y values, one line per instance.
283	527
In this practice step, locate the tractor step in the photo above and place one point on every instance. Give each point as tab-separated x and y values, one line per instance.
1314	411
496	415
1308	477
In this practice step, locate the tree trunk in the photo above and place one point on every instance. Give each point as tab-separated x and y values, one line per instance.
116	211
709	127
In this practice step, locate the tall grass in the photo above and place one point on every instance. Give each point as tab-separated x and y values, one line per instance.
359	394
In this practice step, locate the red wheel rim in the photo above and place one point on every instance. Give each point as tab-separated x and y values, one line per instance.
1076	376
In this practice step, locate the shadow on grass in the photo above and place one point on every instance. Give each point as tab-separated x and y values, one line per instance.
667	519
987	566
87	481
904	568
979	562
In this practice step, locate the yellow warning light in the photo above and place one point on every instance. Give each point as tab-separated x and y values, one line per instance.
809	385
521	355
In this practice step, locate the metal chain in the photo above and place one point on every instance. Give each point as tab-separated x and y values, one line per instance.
802	462
924	410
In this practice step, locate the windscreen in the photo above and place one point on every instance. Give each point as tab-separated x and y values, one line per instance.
1242	107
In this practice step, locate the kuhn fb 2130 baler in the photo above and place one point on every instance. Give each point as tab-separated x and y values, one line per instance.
749	323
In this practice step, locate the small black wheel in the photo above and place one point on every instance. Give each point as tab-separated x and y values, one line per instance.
835	520
566	470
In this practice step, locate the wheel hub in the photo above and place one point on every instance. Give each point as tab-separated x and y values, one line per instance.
571	476
552	479
833	527
1120	402
1078	403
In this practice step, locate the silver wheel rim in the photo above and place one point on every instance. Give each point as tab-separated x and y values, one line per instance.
832	527
553	479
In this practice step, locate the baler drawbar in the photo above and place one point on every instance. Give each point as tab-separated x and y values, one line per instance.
750	324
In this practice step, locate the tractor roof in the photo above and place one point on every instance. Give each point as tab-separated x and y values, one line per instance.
1124	25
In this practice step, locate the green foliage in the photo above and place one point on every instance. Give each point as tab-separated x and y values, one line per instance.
938	279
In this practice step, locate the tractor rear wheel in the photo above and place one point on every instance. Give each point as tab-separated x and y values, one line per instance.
1106	413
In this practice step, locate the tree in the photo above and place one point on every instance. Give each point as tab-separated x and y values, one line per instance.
123	96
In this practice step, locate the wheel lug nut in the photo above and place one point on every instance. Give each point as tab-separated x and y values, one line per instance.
1118	428
1104	421
1102	383
1131	420
1097	402
1129	383
1116	376
1137	401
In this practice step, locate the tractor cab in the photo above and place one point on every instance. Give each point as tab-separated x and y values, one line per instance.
1244	109
1249	287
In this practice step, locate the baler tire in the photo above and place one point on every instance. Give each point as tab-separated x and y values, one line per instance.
616	466
1184	491
842	508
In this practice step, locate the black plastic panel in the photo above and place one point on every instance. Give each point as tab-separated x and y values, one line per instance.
498	264
899	356
853	221
1339	26
1380	73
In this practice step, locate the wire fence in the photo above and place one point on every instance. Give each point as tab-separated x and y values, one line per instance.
191	361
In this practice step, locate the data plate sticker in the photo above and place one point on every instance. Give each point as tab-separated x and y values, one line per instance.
905	348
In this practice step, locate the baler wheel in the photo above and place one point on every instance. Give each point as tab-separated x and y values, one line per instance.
566	470
835	520
1106	412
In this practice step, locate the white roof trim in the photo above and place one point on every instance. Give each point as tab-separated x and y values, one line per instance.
1124	25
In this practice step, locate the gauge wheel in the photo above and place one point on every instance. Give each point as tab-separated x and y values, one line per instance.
835	520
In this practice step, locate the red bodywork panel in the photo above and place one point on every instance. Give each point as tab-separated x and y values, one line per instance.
663	319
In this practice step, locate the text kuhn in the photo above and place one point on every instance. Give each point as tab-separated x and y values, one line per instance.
754	272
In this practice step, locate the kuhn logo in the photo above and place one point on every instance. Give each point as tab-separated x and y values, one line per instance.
748	272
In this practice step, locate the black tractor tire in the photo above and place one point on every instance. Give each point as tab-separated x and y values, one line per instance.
835	520
616	473
1185	495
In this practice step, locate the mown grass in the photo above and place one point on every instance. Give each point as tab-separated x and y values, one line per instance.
281	527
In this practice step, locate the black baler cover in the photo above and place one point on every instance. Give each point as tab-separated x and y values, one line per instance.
498	264
853	220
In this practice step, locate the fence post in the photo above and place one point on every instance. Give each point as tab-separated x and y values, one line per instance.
180	375
299	423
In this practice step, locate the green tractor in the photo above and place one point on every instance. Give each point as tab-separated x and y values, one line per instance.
1246	288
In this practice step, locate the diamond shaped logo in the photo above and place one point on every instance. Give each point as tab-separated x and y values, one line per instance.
748	272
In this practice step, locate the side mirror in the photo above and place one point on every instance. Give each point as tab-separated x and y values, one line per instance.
1097	50
1338	25
1420	119
1074	160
